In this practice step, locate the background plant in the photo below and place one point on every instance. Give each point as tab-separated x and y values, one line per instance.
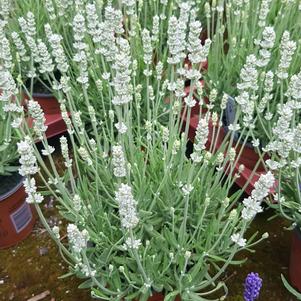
284	150
9	120
87	30
8	140
255	51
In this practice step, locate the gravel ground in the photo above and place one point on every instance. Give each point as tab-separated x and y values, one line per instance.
33	267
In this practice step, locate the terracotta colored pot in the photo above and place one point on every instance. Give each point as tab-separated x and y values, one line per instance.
56	124
48	102
16	216
51	108
295	260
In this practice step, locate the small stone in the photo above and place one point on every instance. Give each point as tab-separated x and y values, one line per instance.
43	251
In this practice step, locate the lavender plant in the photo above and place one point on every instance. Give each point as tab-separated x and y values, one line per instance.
142	216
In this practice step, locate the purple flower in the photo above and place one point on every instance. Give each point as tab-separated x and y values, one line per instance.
252	285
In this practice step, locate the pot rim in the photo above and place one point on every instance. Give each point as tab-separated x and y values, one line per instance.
43	95
15	188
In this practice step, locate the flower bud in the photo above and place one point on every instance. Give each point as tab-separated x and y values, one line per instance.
233	215
187	255
265	235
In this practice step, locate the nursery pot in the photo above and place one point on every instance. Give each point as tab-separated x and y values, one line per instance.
47	101
16	216
51	108
295	260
